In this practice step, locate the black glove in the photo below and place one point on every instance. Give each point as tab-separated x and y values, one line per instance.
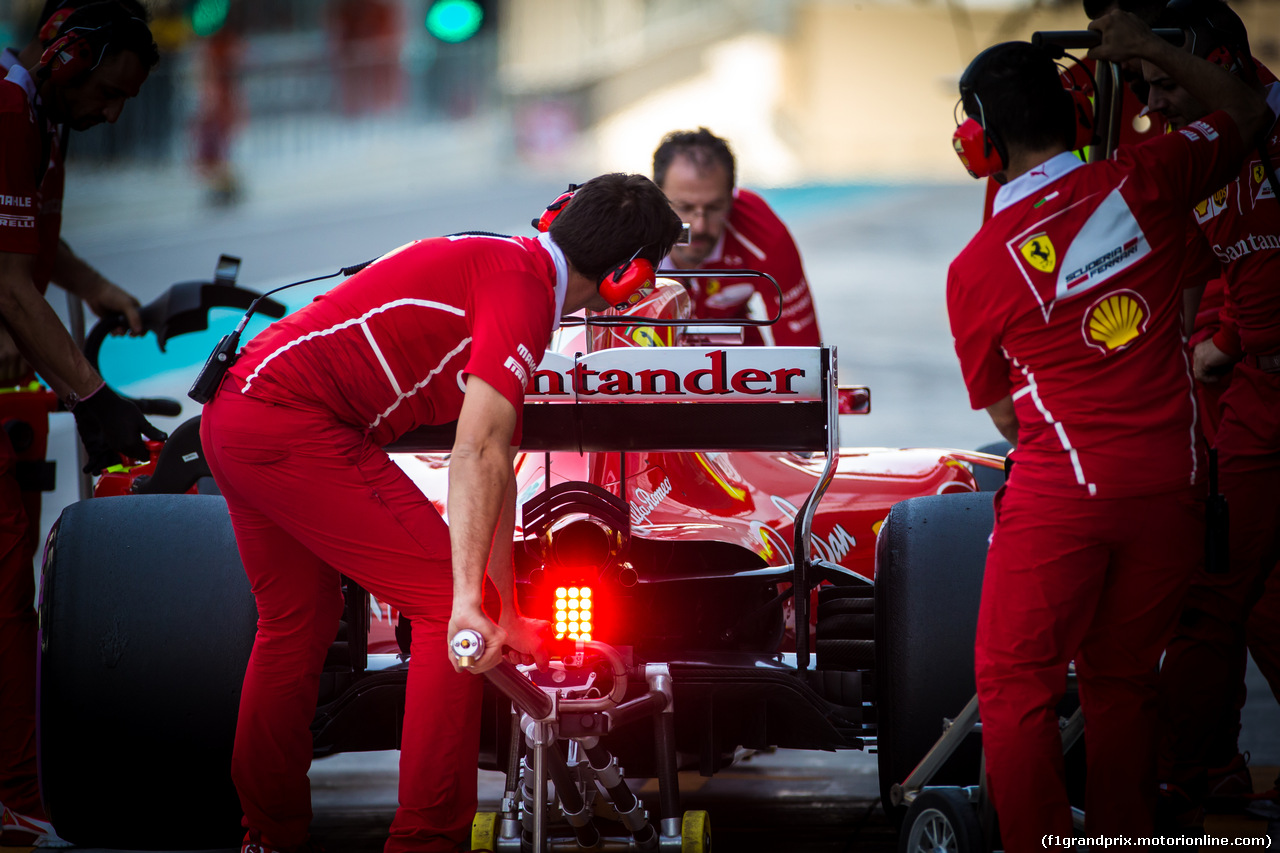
110	426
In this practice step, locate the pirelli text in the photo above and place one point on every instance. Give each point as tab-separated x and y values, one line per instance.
1191	842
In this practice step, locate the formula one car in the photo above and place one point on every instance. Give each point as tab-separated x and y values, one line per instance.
723	574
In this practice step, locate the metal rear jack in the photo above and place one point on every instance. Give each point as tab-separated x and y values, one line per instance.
558	726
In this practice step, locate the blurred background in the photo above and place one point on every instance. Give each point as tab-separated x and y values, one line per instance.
807	91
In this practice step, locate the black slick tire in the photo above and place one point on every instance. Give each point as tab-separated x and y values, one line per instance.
929	562
147	622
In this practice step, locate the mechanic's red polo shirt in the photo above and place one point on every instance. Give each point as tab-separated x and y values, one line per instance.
755	238
31	176
389	349
1069	299
1241	222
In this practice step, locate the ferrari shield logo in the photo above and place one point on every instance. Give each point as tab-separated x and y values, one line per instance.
1265	190
1037	250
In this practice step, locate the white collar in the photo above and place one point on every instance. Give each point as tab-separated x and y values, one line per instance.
1273	98
1034	180
18	74
8	59
562	273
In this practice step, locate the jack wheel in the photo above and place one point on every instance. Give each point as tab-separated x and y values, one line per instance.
695	832
941	821
484	831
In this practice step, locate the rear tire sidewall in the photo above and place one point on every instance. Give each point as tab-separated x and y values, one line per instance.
146	625
929	563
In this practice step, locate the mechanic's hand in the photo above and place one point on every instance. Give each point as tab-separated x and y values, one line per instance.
12	365
109	299
1124	37
110	426
527	639
495	637
1209	363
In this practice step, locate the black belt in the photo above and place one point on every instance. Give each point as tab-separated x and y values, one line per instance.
1266	363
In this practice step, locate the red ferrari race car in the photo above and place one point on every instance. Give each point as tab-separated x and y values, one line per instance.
676	491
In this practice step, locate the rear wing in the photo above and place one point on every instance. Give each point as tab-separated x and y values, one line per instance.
683	399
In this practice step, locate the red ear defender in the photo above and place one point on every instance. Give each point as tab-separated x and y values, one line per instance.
49	31
623	284
67	58
975	150
543	222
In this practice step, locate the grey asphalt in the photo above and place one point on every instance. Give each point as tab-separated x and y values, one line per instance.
877	267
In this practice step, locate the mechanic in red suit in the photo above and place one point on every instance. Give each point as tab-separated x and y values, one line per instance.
1066	312
105	58
732	228
1204	664
435	331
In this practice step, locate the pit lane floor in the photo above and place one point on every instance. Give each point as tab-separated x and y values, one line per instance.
793	801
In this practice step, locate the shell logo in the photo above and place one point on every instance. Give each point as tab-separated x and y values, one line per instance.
1115	321
1038	251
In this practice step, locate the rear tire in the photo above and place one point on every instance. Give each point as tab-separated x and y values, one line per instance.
146	624
929	562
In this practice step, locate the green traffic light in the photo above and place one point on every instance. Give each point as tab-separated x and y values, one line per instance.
208	16
454	21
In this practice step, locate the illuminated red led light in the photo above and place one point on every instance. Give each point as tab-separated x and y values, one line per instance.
573	613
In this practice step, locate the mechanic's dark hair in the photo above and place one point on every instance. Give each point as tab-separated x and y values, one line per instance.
610	217
1147	10
1210	25
701	146
112	27
1014	90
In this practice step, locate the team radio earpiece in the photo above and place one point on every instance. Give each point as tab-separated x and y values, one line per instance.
977	148
622	285
67	58
76	50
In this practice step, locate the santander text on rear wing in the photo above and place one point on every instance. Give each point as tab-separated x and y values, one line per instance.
669	399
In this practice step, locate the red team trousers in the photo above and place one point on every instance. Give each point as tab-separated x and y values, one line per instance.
18	789
310	497
1203	670
1097	581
